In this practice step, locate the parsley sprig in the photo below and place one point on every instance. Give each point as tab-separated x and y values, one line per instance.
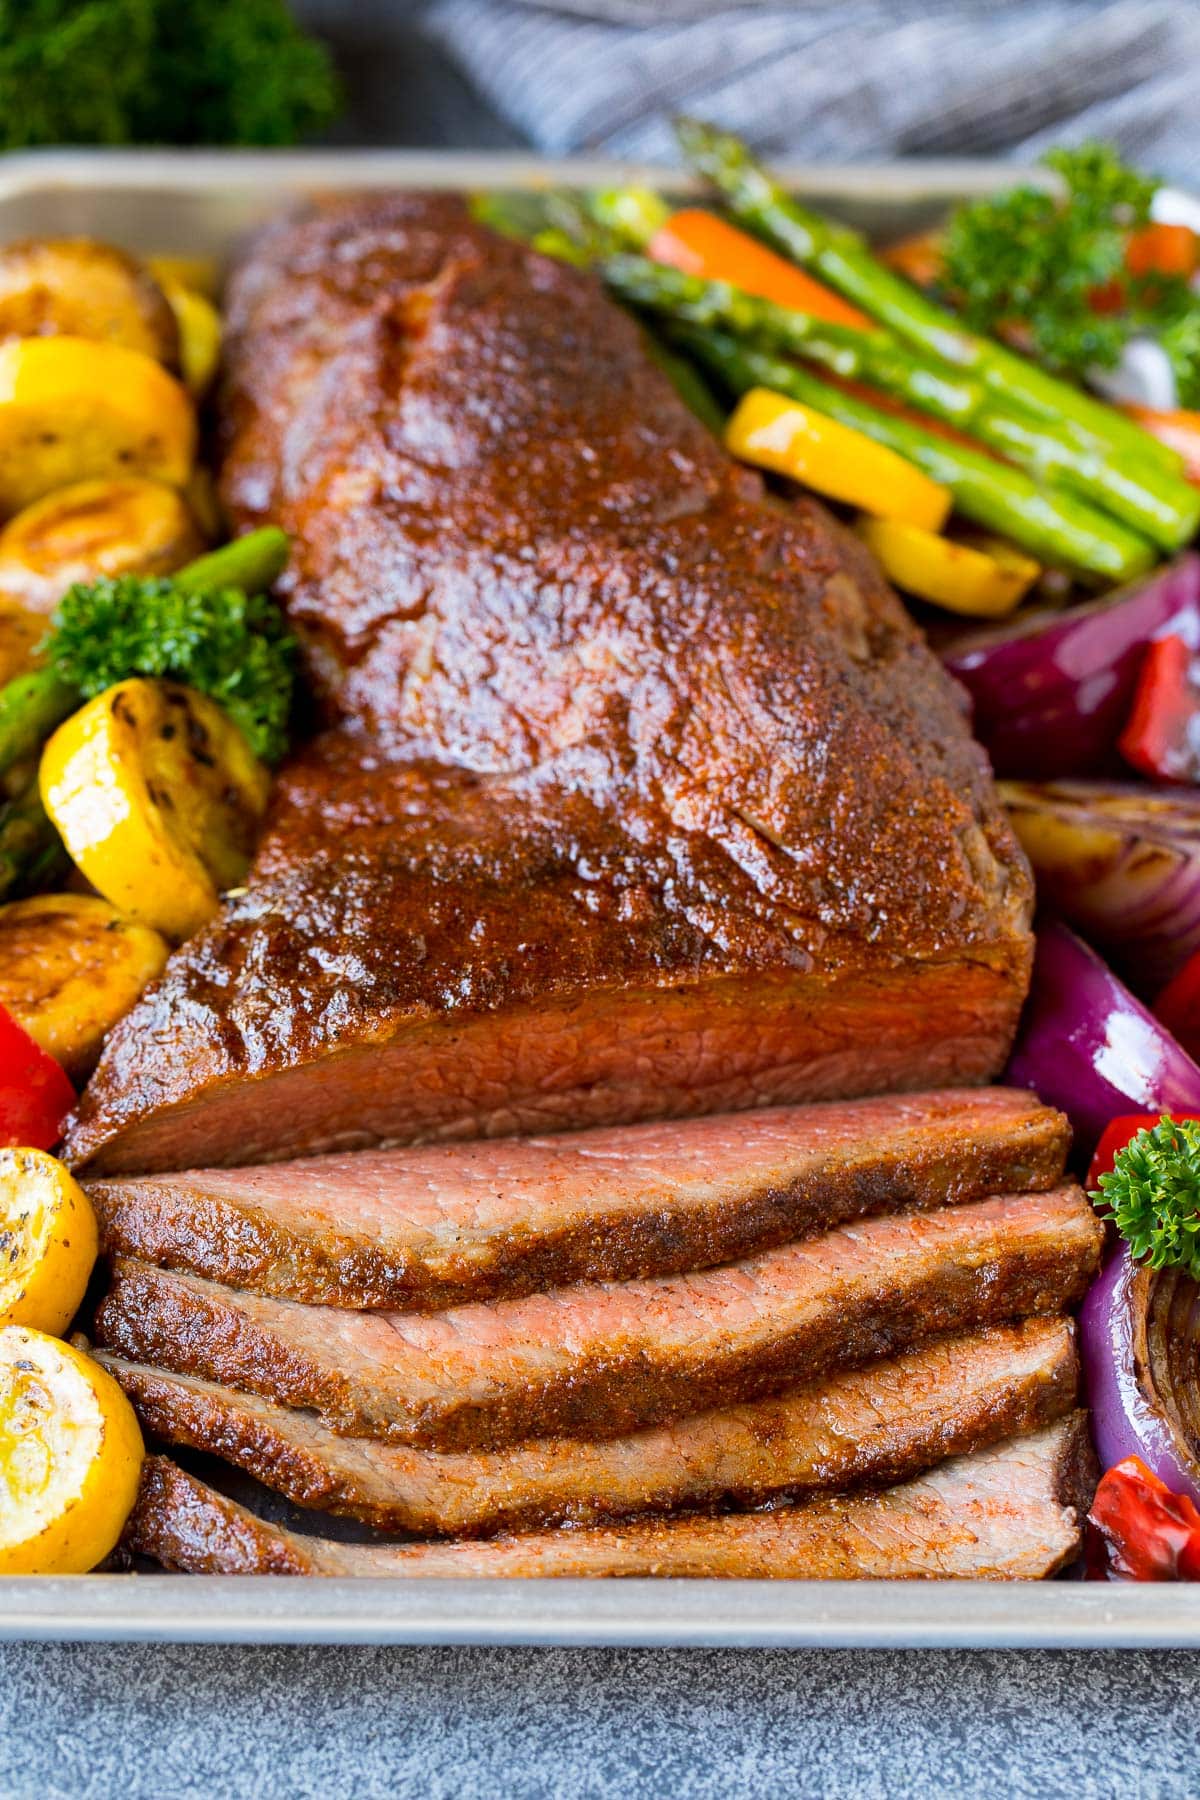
1037	260
231	645
1152	1195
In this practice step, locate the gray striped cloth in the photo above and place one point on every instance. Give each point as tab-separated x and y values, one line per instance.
825	81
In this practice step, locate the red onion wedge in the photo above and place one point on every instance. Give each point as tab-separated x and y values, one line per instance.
1089	1048
1120	863
1052	690
1138	1336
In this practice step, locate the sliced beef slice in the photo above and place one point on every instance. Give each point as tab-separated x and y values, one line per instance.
599	1359
434	1227
872	1426
1006	1514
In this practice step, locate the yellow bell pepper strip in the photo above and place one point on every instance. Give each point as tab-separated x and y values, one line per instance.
1056	527
199	325
200	273
157	796
50	1241
70	1457
983	584
773	432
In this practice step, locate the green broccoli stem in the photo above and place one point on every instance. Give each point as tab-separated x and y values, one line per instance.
1162	506
841	258
250	563
1055	527
31	850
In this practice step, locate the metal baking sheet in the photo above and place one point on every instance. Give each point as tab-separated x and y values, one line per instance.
272	1609
205	203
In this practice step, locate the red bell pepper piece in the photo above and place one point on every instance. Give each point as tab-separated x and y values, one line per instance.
35	1095
1149	1533
1178	1006
1116	1135
1162	736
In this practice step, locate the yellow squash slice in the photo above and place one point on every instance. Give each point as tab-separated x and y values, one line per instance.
130	526
71	410
48	1241
157	796
51	286
71	1457
199	325
773	432
21	631
983	583
70	967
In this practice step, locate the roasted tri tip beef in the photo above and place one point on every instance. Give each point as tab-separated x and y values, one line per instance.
642	796
869	1427
598	1359
1005	1514
430	1228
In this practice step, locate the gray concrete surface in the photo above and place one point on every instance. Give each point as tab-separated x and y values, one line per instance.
460	1724
120	1723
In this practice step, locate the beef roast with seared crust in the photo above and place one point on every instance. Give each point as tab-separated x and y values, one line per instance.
872	1426
434	1227
1013	1513
598	1359
645	797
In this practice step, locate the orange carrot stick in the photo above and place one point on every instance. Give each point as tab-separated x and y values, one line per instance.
702	243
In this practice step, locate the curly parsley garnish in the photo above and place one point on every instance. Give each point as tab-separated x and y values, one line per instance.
1152	1195
1043	262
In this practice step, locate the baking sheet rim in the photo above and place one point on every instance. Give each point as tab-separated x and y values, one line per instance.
266	1609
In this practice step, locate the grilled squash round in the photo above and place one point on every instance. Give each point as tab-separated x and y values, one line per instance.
71	410
125	527
48	1238
70	967
21	631
80	288
158	797
71	1457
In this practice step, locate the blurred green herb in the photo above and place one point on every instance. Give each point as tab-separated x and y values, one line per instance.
1040	262
159	71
